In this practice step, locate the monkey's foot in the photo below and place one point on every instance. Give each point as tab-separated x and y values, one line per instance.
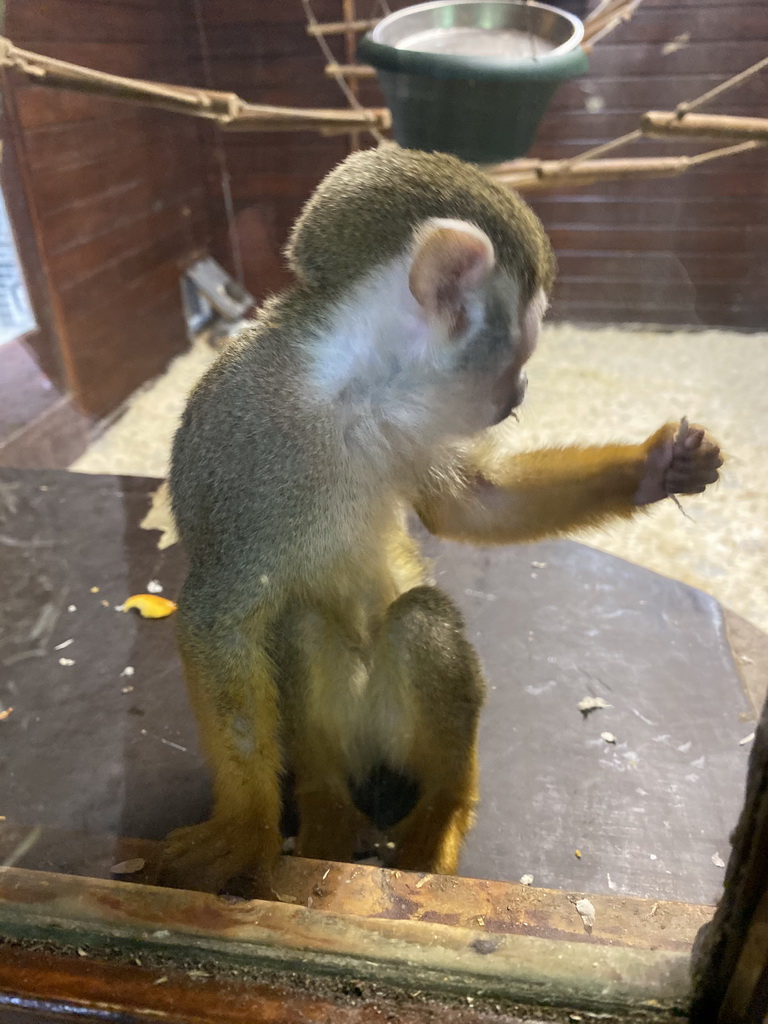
206	856
681	460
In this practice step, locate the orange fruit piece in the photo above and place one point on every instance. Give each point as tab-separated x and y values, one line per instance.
150	606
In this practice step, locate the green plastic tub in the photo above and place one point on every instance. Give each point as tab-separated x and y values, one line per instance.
473	77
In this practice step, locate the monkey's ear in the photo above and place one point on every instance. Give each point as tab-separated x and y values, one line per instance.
450	259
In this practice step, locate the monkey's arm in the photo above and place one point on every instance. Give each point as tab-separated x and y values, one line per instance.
531	495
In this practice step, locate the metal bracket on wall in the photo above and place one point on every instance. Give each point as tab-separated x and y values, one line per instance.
226	296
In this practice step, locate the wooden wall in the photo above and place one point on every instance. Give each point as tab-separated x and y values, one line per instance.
117	193
689	250
261	51
122	197
692	250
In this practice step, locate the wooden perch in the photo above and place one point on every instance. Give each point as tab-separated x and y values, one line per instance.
350	70
530	175
225	108
338	28
255	118
665	123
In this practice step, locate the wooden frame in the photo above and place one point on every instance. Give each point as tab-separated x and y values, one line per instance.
355	944
132	948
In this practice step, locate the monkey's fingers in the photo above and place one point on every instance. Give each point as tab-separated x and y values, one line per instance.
685	481
689	437
203	857
708	454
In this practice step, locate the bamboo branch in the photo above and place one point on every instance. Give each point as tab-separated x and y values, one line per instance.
350	70
255	118
226	108
531	175
661	124
338	28
606	18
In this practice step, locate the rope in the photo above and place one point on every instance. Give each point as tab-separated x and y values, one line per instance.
715	154
340	80
221	157
682	108
605	147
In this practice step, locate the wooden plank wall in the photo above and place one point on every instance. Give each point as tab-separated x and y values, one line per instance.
691	250
261	51
122	197
117	193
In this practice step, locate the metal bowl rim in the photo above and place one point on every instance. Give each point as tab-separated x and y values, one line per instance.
570	44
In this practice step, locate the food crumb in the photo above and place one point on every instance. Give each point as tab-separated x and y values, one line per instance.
127	671
72	608
608	737
526	880
63	644
587	704
577	854
150	606
717	860
105	604
95	590
154	587
66	662
127	689
747	739
586	912
5	714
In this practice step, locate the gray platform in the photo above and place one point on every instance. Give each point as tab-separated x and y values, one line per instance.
647	813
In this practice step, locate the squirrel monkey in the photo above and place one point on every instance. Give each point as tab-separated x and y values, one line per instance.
311	639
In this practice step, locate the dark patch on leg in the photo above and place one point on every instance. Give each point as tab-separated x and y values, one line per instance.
385	796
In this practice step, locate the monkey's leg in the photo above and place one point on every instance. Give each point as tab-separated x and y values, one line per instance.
330	823
424	659
321	727
231	687
508	498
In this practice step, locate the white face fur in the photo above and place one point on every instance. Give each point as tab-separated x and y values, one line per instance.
404	364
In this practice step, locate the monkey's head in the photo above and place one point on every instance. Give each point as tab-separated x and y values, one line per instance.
444	270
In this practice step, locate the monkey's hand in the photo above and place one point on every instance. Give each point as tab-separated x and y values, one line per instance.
680	460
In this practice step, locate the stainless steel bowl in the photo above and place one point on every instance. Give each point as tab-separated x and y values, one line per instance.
558	29
460	99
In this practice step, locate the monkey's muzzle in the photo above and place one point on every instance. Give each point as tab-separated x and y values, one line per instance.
513	397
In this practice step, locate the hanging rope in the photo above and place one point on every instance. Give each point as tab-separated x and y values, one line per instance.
342	83
221	158
730	83
605	147
716	154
